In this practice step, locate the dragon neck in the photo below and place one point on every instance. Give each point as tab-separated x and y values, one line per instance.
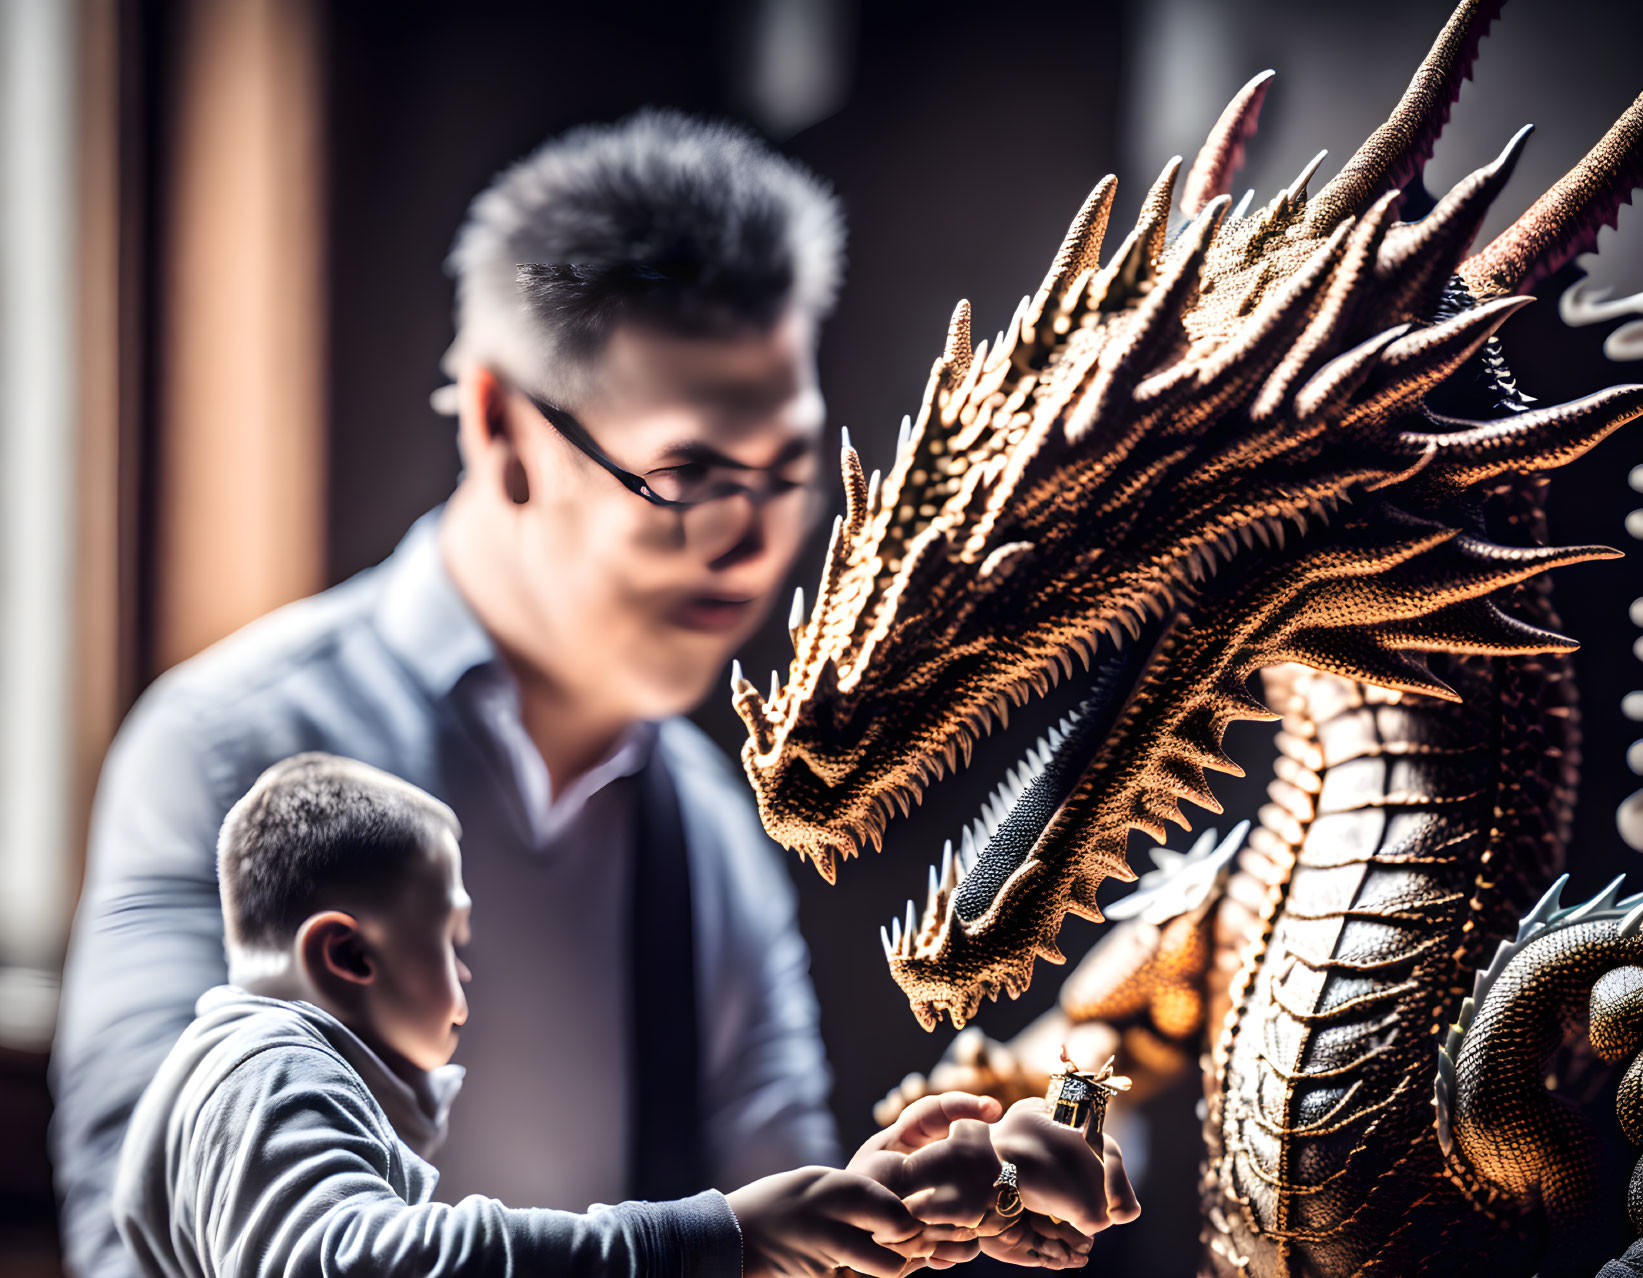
1405	837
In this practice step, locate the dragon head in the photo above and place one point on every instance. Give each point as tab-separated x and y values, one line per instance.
1219	449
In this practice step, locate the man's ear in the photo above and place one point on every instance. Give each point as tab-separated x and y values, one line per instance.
485	434
334	951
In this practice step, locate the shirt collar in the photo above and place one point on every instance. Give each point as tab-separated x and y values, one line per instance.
428	625
422	616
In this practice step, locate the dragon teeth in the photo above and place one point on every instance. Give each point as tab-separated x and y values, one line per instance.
889	948
947	879
911	931
895	934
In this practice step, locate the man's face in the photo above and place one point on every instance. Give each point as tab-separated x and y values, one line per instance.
639	607
416	1006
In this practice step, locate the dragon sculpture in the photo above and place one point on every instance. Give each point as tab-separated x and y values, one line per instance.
1271	448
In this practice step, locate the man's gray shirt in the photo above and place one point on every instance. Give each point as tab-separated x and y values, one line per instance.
392	668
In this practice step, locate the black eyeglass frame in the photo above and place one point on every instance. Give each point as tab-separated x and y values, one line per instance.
577	436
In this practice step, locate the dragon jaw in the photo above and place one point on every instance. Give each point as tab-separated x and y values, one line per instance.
1214	453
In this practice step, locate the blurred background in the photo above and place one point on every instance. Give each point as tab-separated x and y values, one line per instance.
222	224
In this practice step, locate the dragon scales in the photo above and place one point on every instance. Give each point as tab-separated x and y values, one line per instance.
1280	447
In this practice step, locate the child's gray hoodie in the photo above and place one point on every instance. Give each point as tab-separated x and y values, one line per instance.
273	1141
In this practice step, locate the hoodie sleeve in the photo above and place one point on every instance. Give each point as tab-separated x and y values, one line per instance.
295	1178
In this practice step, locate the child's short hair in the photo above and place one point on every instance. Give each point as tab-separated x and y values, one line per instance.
310	823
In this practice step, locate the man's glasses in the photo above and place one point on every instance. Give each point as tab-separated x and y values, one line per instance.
683	487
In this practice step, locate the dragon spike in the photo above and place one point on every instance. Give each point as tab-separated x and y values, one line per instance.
1566	219
1363	240
751	707
1418	361
957	352
1295	193
826	862
1138	256
1604	900
1158	315
1631	924
795	615
1525	443
1334	383
1222	154
1367	661
1545	908
1477	626
1081	248
1398	150
1421	256
1273	325
1153	222
855	485
1509	565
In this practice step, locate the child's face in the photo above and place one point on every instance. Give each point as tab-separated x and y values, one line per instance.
416	1004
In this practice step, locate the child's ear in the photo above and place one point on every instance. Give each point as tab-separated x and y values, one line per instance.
333	949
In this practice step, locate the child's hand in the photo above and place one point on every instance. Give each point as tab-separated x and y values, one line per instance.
951	1182
1031	1239
806	1223
1059	1175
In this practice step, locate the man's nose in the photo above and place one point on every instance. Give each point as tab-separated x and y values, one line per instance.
736	533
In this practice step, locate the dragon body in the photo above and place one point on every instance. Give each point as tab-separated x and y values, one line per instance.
1258	463
1405	843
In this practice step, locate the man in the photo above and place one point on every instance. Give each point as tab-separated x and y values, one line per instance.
637	308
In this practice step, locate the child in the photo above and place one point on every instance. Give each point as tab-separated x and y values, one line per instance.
286	1132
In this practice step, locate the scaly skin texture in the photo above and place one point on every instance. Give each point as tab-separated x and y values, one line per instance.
1432	828
1277	443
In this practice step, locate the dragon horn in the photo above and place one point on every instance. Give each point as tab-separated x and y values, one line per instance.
1222	154
1565	220
1420	257
1524	443
1399	149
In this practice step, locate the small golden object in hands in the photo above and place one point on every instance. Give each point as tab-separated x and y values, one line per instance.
1078	1098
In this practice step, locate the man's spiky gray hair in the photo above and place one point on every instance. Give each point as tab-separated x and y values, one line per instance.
693	225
